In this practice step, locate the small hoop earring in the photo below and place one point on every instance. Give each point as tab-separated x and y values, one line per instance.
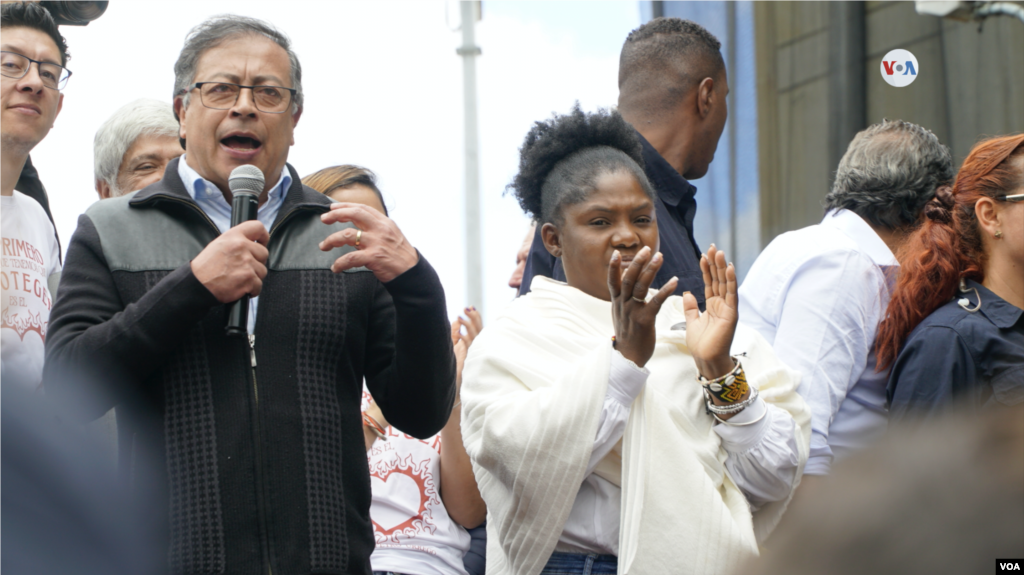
999	234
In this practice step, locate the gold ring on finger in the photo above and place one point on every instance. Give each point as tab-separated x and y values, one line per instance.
359	236
638	300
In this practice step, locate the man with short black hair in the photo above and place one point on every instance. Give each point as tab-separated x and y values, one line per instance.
32	64
253	446
818	294
133	147
672	90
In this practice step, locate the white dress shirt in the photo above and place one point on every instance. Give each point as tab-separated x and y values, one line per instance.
211	200
762	461
817	295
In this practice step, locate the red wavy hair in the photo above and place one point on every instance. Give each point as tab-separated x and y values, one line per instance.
947	245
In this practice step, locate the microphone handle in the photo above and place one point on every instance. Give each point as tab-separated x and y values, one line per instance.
243	208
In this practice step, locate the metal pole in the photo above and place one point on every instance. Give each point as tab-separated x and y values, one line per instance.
847	90
657	9
730	23
474	259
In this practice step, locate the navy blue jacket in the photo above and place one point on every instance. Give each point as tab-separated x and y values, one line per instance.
956	355
675	208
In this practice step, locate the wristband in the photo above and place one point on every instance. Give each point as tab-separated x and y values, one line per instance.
375	427
728	388
731	408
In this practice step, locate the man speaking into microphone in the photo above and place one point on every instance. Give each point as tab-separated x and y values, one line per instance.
248	442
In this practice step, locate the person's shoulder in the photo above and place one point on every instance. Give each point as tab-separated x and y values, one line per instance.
953	316
111	207
29	207
29	210
809	243
814	248
948	326
309	195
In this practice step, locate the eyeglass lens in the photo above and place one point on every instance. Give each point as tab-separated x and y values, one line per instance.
16	66
224	96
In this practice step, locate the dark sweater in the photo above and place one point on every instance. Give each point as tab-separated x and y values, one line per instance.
254	468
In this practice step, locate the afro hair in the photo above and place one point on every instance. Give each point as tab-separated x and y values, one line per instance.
561	159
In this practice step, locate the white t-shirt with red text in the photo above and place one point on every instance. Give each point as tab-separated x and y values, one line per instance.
30	269
411	526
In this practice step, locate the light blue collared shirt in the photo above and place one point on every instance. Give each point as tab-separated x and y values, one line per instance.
818	295
211	200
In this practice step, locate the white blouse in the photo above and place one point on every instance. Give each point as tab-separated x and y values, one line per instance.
763	460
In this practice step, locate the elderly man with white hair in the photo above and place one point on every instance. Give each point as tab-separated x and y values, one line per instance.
133	147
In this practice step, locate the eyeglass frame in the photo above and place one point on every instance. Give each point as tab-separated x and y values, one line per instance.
38	63
1011	198
198	85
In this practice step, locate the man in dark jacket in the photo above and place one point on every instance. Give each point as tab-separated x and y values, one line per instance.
672	90
251	448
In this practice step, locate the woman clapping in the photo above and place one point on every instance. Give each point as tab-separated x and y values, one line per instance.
613	428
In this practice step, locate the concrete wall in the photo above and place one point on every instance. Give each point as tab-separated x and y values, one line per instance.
813	95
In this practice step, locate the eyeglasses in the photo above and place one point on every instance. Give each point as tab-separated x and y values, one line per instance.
14	65
222	96
1013	198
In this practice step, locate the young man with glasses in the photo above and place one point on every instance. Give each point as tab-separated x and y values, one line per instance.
32	75
253	446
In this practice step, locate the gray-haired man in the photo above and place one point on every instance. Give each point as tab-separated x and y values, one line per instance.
132	147
253	446
818	294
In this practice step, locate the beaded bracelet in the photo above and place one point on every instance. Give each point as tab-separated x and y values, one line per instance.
728	388
732	408
752	422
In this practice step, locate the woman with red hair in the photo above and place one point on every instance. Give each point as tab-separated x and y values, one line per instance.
954	329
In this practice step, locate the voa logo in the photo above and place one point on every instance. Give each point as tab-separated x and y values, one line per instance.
1007	565
899	68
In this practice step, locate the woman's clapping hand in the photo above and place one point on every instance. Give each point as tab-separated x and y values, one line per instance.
709	335
632	313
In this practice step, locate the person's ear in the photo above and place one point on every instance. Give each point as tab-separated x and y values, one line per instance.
179	111
552	239
295	122
989	216
103	189
705	97
60	106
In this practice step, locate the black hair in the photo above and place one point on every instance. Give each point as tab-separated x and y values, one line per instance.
663	60
561	159
889	172
32	15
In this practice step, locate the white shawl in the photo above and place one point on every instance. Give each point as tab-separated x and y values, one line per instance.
533	388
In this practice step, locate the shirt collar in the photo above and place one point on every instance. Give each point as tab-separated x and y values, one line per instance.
200	188
998	311
670	185
861	233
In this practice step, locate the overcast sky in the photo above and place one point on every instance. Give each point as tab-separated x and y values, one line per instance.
383	89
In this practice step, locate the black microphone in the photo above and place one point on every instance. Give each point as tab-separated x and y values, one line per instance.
246	184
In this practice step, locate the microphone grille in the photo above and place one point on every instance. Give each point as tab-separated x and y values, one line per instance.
247	179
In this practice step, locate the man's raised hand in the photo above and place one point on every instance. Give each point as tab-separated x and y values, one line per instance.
234	264
380	245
